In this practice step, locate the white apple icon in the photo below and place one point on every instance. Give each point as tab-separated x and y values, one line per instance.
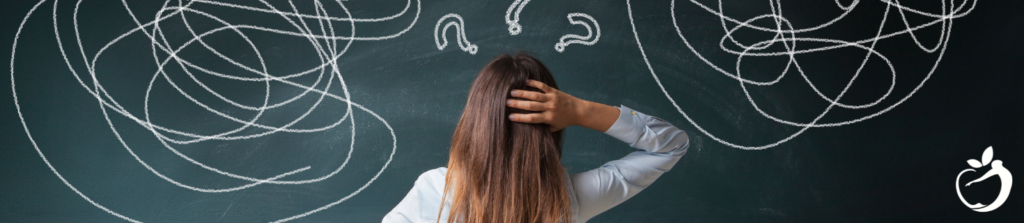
997	170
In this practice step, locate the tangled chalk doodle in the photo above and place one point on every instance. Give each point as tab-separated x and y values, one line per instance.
788	36
323	35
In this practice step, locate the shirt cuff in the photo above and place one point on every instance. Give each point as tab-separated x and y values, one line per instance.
627	128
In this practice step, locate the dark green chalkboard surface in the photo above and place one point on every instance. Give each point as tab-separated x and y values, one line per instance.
327	111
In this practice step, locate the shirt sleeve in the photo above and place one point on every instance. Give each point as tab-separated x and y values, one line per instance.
660	145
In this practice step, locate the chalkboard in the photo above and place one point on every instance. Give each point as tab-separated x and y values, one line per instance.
327	111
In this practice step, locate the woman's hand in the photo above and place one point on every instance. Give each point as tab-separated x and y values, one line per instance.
558	109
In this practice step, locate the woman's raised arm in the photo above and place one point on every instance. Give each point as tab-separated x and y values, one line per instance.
660	145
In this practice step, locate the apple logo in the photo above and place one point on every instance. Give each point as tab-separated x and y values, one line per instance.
997	170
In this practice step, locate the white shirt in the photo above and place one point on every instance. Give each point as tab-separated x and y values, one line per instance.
660	146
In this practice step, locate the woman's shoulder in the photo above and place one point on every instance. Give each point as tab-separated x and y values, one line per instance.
433	174
430	187
432	181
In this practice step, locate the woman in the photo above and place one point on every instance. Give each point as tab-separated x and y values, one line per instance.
504	159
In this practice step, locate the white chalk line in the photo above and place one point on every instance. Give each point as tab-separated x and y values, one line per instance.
262	133
513	19
239	64
100	88
307	16
789	43
299	15
21	117
112	104
460	34
844	44
230	174
592	35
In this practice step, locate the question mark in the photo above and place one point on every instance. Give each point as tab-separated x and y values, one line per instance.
592	35
460	34
513	22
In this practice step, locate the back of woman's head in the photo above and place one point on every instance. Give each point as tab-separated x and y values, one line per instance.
499	170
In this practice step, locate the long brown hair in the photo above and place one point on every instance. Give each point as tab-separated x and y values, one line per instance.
499	170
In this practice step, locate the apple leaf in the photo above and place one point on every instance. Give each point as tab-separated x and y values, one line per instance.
986	157
974	163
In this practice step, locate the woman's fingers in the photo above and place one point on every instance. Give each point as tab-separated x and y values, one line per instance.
547	103
531	95
539	85
526	105
527	118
